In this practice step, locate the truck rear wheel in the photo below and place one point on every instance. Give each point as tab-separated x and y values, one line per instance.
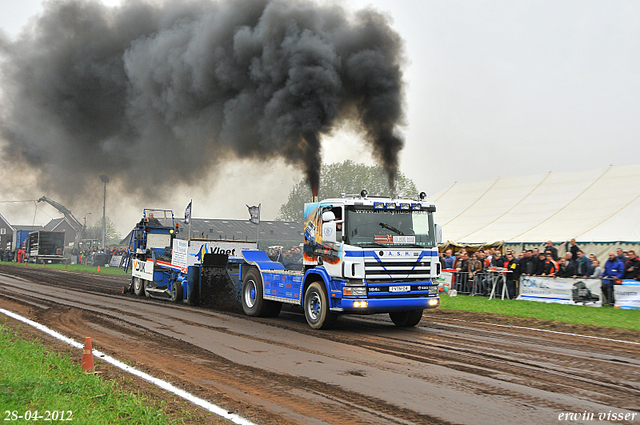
138	286
176	292
253	303
406	319
316	308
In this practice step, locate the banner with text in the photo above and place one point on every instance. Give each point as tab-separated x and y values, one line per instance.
627	295
561	290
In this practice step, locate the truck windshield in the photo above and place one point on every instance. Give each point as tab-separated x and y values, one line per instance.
369	227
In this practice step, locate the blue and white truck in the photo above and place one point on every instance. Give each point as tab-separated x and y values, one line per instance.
362	255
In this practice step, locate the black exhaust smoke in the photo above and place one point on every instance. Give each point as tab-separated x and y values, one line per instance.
157	94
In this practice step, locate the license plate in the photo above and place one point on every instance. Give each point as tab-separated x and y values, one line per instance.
399	288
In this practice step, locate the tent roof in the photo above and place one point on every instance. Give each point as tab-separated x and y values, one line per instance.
601	205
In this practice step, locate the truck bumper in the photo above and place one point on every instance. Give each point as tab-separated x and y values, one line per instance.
382	305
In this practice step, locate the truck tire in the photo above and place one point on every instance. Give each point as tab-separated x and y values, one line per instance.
406	319
138	286
253	302
316	307
176	292
192	294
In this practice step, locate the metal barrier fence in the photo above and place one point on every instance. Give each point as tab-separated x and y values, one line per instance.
491	282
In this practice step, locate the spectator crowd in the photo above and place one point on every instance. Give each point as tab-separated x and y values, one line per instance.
472	268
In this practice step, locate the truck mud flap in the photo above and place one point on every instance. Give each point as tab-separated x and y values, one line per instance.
218	290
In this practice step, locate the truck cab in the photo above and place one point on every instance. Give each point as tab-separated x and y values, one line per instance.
362	255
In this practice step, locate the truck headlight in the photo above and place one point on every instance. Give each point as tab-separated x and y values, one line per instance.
354	291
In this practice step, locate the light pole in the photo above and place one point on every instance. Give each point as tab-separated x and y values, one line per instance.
104	180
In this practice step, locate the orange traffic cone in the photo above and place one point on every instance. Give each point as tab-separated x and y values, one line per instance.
98	269
87	357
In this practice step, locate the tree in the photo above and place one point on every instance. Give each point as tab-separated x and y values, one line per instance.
111	236
346	177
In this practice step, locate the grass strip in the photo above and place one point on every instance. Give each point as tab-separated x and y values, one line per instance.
596	316
74	268
34	379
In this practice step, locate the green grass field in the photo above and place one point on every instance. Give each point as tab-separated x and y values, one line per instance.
34	379
597	316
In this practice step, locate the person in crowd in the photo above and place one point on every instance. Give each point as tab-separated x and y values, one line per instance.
613	270
512	264
20	255
597	270
474	267
569	257
632	267
573	249
566	267
443	264
497	260
583	265
449	258
461	268
296	254
621	256
526	263
552	249
482	256
542	258
550	265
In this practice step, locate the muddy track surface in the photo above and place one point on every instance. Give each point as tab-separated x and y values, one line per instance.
449	369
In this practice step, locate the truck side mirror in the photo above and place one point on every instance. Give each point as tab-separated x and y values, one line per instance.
438	234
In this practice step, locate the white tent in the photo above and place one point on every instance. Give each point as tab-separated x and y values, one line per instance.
593	206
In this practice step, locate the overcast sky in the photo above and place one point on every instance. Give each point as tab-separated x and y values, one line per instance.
494	89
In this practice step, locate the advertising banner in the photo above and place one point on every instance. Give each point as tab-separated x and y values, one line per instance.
115	261
445	280
561	290
142	269
627	295
197	249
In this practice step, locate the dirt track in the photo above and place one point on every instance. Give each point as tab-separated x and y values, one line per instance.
449	369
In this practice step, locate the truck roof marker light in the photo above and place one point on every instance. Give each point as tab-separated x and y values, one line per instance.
378	205
404	206
390	206
416	207
364	193
422	196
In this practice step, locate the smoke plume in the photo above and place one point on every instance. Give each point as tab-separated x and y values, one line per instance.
158	94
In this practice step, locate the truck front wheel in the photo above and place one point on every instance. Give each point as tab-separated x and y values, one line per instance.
138	287
316	308
406	319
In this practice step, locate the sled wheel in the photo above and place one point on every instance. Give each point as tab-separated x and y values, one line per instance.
176	292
